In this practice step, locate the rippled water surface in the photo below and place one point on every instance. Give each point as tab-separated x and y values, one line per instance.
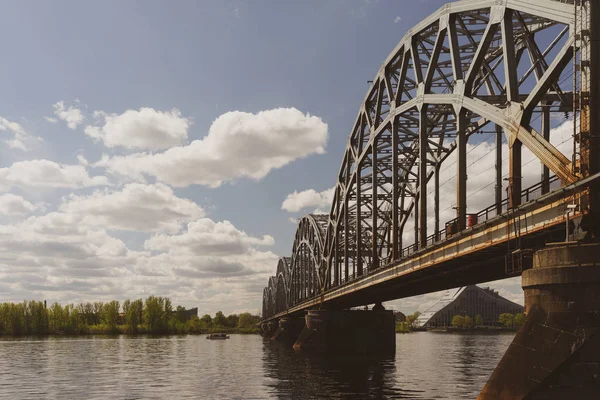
426	365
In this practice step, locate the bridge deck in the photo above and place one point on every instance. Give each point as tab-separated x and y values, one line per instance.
474	255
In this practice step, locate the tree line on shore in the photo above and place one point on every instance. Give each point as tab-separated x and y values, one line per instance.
154	315
506	319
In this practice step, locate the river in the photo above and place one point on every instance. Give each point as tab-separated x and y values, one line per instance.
426	366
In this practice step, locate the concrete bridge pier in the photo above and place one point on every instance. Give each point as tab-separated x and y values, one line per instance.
348	331
556	353
267	329
288	330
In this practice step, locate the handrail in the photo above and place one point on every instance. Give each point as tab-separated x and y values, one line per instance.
440	236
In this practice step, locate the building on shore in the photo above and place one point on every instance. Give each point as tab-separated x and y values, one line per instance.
468	300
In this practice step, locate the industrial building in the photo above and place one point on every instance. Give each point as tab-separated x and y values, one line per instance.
468	300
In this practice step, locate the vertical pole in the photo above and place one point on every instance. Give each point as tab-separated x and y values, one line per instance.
374	207
436	201
498	169
546	133
461	173
416	226
515	175
395	193
346	222
423	177
358	261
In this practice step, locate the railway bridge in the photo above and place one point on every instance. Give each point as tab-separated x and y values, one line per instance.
475	156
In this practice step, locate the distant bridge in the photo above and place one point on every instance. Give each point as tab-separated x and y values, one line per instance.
508	67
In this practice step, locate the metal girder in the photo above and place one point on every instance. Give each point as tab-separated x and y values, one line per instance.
442	83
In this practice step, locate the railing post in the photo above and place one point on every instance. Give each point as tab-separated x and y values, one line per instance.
461	174
498	169
423	145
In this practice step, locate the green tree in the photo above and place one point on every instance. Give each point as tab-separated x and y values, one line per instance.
468	321
232	320
206	319
110	314
506	319
180	314
245	320
132	311
458	321
220	319
154	313
478	320
413	317
519	319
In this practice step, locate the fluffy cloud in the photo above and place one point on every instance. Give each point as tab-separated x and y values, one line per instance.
206	237
137	207
144	129
47	174
63	257
11	204
20	137
238	145
71	115
310	198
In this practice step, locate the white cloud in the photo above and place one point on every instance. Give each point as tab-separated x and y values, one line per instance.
144	129
238	145
11	204
20	136
310	198
136	207
397	19
71	115
47	174
206	237
63	257
51	120
82	160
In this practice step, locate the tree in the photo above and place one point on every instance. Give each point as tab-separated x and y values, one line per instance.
468	321
519	319
506	319
413	317
132	311
180	314
110	314
232	320
245	320
458	321
153	314
206	319
478	320
220	319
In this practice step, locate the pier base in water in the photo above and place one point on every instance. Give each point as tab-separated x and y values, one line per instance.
348	331
288	330
556	353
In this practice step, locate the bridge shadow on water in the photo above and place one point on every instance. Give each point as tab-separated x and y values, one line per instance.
298	374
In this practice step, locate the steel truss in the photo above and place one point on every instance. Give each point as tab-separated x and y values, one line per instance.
471	64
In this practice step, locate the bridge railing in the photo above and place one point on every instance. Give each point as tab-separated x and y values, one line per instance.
528	194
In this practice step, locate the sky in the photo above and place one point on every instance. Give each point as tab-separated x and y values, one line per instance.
168	148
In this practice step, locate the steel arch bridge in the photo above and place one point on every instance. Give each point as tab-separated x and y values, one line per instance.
507	66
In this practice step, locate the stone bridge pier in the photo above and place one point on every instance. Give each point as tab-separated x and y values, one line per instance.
556	353
348	331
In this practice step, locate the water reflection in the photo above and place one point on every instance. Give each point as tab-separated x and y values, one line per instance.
425	365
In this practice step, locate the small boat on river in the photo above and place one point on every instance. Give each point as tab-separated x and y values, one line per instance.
217	336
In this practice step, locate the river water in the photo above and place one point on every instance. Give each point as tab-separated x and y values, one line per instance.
426	366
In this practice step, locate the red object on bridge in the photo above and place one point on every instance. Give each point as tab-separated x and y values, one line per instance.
471	220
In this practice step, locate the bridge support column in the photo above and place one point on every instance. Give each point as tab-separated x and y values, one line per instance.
288	330
348	331
267	329
556	353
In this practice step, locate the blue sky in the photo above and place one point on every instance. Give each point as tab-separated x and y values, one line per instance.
97	217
